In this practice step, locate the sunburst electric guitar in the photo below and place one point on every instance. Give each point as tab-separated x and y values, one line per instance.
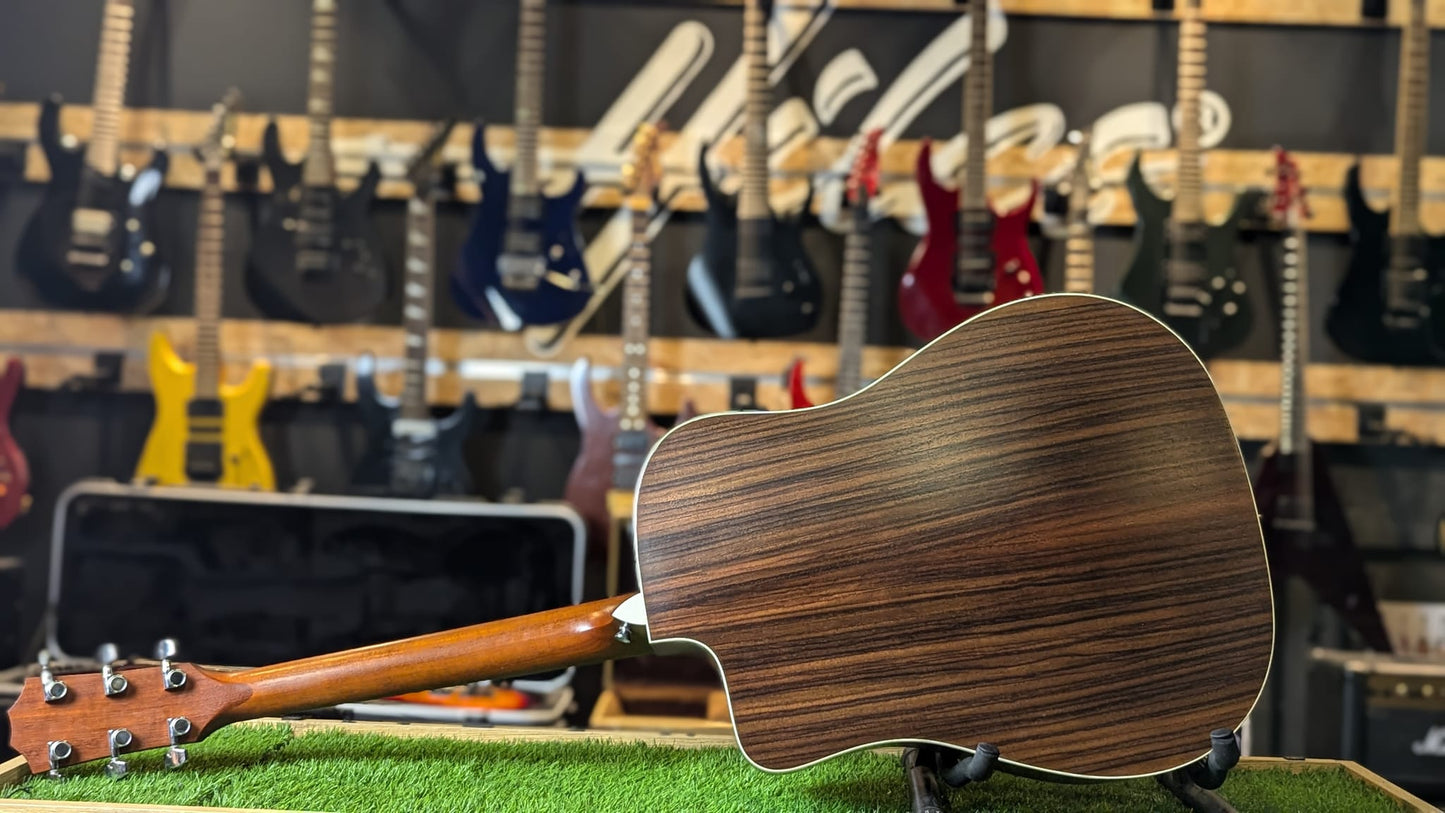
205	431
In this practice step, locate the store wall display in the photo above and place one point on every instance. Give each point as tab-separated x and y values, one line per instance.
14	469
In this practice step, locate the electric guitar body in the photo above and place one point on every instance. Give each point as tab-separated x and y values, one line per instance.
314	256
549	223
90	244
414	459
926	295
14	470
1223	314
200	440
1358	320
787	305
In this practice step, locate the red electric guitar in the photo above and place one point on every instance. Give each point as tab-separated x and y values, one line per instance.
971	258
14	471
857	261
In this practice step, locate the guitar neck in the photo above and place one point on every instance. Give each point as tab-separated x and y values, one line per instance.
554	639
1188	206
417	310
753	199
636	327
111	67
531	59
210	245
977	108
853	303
1079	240
319	169
1410	118
1294	340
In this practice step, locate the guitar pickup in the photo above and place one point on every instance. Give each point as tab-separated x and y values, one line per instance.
1184	309
973	298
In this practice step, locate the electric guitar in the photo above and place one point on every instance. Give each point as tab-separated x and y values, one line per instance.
91	243
753	278
857	262
1304	523
615	442
14	471
995	571
410	453
1079	239
971	258
1184	270
522	263
1390	308
314	257
205	431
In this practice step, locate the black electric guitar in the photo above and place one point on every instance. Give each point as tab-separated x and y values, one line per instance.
1305	528
1184	270
753	279
90	243
1390	308
409	453
314	257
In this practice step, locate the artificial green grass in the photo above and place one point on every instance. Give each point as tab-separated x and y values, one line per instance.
267	767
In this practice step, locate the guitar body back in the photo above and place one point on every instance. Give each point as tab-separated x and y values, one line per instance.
1355	320
353	282
404	467
14	469
1053	548
134	278
926	293
477	280
164	459
1228	314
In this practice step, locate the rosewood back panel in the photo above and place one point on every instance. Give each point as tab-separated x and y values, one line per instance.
1038	532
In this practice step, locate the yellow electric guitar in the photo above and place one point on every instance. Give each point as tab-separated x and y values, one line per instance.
205	432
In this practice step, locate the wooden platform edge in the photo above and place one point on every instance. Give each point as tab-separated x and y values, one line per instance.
1297	765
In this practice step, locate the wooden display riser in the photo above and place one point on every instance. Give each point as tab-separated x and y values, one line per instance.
616	709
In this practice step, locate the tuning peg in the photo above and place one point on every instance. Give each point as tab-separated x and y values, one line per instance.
113	682
171	677
120	739
59	752
178	727
54	689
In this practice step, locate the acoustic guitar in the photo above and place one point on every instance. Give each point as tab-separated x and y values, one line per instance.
1390	307
971	258
522	263
1037	532
615	442
862	185
314	257
1184	269
753	279
408	452
90	243
204	431
14	470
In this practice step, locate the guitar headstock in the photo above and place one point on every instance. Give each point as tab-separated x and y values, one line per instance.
641	175
221	135
422	169
64	720
863	177
1289	199
1081	179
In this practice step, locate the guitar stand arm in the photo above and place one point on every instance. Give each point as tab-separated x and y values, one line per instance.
1195	784
927	765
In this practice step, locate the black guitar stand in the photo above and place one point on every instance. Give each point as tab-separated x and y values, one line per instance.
1195	784
929	765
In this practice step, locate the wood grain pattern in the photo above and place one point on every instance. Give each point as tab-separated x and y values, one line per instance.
1052	546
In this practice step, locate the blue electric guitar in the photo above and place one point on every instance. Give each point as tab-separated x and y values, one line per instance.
522	263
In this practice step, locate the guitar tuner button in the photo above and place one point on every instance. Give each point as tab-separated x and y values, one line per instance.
120	739
176	727
53	690
624	633
113	682
58	751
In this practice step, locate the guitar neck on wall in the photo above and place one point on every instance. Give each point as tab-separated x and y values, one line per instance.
14	470
1079	235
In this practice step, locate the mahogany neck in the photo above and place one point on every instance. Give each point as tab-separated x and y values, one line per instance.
753	199
531	55
111	68
853	302
1189	197
417	310
977	109
545	641
210	255
319	169
1410	118
1079	240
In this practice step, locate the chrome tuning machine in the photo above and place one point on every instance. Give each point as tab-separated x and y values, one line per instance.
120	739
54	690
59	751
177	728
171	677
114	682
